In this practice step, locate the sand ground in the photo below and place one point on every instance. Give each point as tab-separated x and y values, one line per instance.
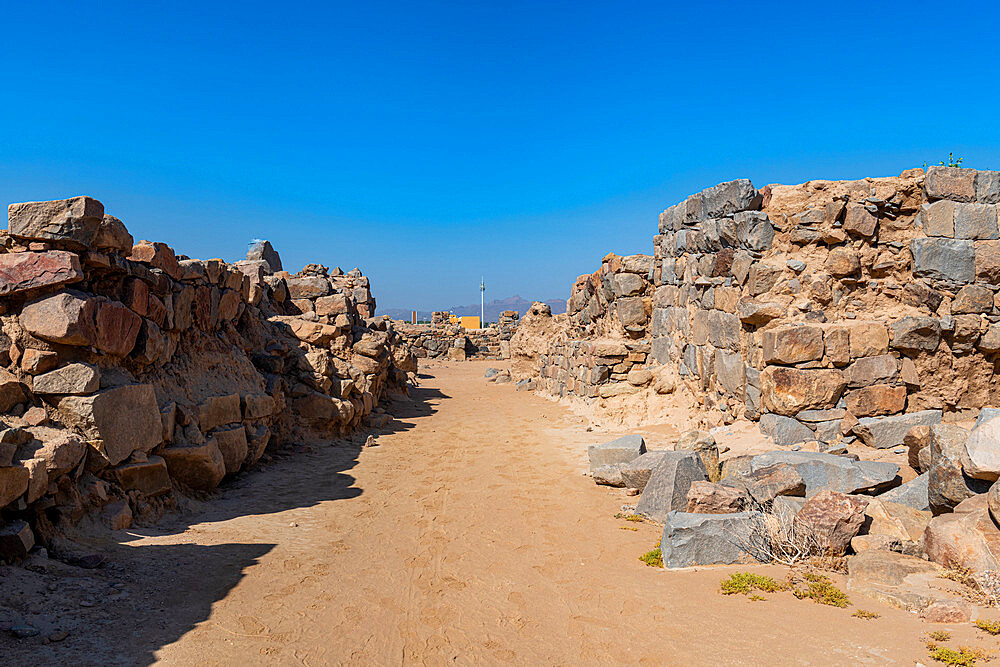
470	535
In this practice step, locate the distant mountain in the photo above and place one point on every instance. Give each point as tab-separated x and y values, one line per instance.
492	309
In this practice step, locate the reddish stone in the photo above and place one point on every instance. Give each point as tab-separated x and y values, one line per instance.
879	399
158	255
832	519
117	328
23	271
137	296
66	318
786	391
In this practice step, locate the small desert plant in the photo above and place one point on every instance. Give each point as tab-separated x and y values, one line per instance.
963	657
992	627
939	635
773	537
757	598
982	588
952	161
821	590
653	558
744	582
628	527
630	517
865	614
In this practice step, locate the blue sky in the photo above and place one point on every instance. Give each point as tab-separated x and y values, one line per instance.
432	142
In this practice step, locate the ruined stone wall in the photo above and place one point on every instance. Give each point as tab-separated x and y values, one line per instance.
129	373
450	341
828	310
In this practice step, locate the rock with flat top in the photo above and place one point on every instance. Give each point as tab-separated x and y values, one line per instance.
704	539
72	222
829	471
832	519
25	271
711	498
669	483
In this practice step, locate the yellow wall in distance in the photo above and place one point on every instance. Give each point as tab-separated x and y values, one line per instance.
470	322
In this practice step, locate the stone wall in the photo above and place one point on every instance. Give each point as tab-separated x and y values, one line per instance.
129	373
829	310
444	340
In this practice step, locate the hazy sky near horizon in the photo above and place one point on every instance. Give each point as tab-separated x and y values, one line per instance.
430	143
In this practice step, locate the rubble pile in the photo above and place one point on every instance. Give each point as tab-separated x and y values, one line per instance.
129	373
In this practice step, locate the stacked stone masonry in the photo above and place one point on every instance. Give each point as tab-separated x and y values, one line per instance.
441	339
129	373
828	310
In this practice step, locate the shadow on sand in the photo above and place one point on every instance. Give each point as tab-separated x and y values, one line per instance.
170	589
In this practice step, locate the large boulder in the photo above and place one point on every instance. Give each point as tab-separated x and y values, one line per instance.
217	411
669	483
232	442
149	477
832	519
982	451
121	420
831	472
704	445
636	472
200	467
262	250
711	498
68	317
618	451
25	271
767	483
787	391
785	431
947	485
905	582
964	540
704	539
72	222
886	432
13	483
61	450
74	378
894	521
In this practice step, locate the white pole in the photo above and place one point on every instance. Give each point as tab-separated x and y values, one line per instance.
482	302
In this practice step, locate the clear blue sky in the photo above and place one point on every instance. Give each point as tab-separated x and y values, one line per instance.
430	143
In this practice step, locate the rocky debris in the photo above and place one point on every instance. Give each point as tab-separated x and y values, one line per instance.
606	460
669	483
896	526
831	472
70	379
982	457
635	474
888	432
947	485
904	582
767	483
712	498
786	431
703	539
832	519
16	539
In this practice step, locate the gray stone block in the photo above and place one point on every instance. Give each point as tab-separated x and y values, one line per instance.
938	218
975	221
754	230
620	450
912	494
635	474
729	371
669	483
703	539
785	431
886	432
829	471
728	198
988	187
943	259
986	414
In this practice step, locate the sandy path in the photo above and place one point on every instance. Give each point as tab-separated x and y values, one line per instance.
469	535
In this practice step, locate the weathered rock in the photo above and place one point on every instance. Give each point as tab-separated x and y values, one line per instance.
767	483
262	250
952	183
705	446
70	379
835	473
13	483
896	521
947	485
871	370
982	451
24	271
608	475
711	498
905	582
38	361
72	222
149	477
124	419
232	442
616	452
879	399
217	411
636	472
307	287
59	449
703	539
943	259
785	431
975	221
112	236
757	313
16	539
972	299
963	540
157	255
842	262
858	221
199	467
11	390
669	483
67	317
786	391
886	432
792	344
912	494
832	519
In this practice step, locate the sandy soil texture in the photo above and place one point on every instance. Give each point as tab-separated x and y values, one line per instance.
469	535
